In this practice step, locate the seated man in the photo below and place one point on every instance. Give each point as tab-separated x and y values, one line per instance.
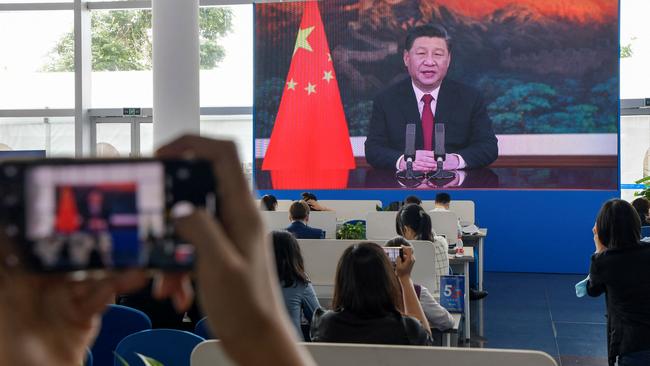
299	217
442	204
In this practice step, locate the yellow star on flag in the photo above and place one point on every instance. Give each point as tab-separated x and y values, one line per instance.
301	41
291	84
327	76
311	89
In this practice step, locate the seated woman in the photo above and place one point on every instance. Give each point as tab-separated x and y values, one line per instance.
368	304
299	296
438	317
620	269
413	223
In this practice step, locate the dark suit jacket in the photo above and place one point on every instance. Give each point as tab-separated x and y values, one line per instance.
302	231
468	128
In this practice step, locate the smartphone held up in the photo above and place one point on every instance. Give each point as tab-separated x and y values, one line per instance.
73	215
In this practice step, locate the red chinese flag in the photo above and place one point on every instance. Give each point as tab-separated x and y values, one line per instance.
310	144
67	216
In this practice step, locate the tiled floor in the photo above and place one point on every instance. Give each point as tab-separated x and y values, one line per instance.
541	312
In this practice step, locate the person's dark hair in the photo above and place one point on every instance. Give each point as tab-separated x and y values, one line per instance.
268	202
618	225
412	199
417	219
429	30
299	210
642	206
443	198
365	282
288	259
398	241
308	196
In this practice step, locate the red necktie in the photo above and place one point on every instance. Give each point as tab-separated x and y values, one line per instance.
427	122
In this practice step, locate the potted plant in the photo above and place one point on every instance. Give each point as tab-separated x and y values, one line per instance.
645	192
352	231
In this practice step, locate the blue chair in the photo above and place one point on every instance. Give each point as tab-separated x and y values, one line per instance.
168	346
202	329
645	231
117	322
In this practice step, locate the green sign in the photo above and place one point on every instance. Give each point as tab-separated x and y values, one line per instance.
131	111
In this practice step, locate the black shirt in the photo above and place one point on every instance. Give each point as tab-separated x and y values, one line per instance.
624	276
346	327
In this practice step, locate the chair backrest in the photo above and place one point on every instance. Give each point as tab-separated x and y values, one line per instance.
463	208
351	209
445	223
202	329
322	256
324	220
211	353
380	225
117	322
168	346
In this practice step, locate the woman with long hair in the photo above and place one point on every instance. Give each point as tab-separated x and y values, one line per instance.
373	303
299	295
620	268
413	223
438	317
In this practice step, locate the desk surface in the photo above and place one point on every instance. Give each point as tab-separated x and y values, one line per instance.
467	257
574	177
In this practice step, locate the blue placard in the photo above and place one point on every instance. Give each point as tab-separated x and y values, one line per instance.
452	293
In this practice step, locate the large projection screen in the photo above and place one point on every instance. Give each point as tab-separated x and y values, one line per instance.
547	71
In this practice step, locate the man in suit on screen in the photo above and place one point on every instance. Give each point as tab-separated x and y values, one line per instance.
427	98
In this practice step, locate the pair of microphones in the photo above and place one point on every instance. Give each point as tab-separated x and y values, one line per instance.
439	154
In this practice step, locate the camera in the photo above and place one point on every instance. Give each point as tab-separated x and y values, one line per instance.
73	215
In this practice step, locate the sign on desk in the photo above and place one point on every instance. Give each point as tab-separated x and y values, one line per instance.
452	293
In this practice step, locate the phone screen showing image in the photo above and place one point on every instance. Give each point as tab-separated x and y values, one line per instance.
111	215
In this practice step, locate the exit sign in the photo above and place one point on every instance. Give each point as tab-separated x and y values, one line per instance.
131	111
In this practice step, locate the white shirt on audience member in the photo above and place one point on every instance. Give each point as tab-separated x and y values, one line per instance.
438	317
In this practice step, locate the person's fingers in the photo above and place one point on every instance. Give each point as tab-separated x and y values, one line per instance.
239	213
208	236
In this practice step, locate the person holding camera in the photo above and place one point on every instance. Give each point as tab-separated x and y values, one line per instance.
373	303
48	319
620	268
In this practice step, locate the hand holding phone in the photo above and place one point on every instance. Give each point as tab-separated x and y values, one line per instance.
404	265
71	215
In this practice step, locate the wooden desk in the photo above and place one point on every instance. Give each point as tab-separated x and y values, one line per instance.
471	241
460	265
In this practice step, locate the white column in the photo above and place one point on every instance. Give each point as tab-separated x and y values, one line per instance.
176	105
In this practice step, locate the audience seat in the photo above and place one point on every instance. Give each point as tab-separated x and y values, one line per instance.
168	346
210	353
117	322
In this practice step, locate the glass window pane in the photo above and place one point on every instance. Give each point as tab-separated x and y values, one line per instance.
635	148
113	140
33	74
228	82
226	76
236	128
635	49
121	45
146	139
54	135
